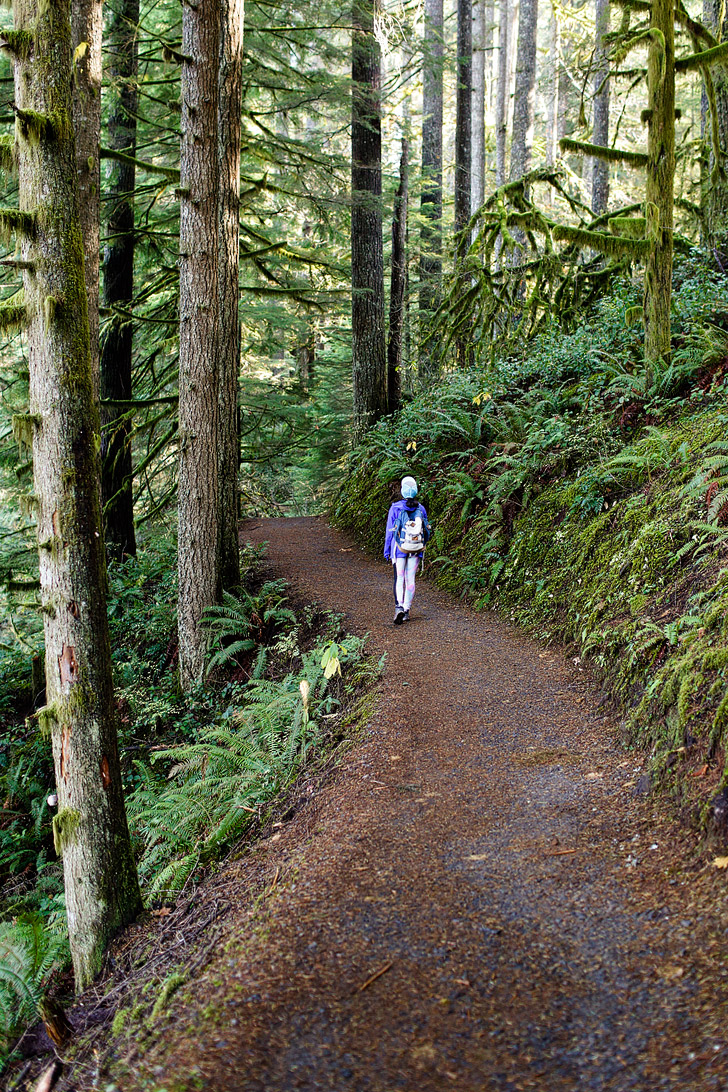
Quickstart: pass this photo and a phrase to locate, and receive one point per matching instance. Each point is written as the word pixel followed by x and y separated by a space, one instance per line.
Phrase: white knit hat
pixel 409 488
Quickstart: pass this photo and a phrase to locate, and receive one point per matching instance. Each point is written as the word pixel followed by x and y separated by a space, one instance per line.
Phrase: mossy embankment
pixel 589 512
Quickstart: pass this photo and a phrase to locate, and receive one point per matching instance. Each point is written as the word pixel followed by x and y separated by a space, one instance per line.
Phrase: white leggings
pixel 404 588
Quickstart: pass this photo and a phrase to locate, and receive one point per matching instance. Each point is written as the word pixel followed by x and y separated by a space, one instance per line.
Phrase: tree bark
pixel 715 176
pixel 524 94
pixel 90 828
pixel 369 360
pixel 118 279
pixel 229 113
pixel 398 283
pixel 477 189
pixel 463 147
pixel 600 167
pixel 198 505
pixel 431 200
pixel 660 183
pixel 86 30
pixel 552 107
pixel 501 107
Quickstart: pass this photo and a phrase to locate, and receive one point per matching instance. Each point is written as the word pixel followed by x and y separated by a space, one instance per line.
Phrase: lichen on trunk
pixel 660 179
pixel 102 891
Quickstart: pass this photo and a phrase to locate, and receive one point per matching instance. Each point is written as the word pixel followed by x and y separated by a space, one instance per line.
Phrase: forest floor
pixel 482 896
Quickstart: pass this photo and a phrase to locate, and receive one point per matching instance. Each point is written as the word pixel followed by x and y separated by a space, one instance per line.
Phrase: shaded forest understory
pixel 475 889
pixel 263 263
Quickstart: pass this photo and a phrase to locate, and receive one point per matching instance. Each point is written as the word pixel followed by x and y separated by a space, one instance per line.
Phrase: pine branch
pixel 614 246
pixel 630 227
pixel 612 155
pixel 172 173
pixel 697 60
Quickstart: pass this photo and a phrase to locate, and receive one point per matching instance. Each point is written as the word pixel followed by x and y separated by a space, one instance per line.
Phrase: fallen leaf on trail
pixel 560 853
pixel 720 862
pixel 593 776
pixel 462 981
pixel 478 857
pixel 395 758
pixel 346 549
pixel 670 972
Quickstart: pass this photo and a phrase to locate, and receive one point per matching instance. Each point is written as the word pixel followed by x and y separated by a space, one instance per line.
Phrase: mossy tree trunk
pixel 398 284
pixel 716 178
pixel 118 279
pixel 660 181
pixel 463 161
pixel 463 120
pixel 600 133
pixel 86 30
pixel 102 892
pixel 369 360
pixel 229 112
pixel 431 199
pixel 199 489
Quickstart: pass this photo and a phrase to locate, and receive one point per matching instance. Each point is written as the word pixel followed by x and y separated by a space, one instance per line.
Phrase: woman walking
pixel 404 545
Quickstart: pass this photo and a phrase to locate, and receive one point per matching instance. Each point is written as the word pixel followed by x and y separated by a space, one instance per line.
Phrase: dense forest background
pixel 482 243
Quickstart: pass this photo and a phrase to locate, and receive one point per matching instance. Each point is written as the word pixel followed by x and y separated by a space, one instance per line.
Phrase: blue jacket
pixel 389 543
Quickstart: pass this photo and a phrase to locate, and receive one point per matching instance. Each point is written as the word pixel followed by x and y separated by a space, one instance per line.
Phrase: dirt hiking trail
pixel 477 899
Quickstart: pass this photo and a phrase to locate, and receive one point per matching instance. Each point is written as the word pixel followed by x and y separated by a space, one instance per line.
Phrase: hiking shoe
pixel 405 616
pixel 399 616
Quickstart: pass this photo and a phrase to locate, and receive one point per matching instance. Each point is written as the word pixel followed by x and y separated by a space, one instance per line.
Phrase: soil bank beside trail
pixel 477 899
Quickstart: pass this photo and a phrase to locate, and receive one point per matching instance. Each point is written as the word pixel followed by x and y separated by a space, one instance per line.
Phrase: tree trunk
pixel 477 188
pixel 489 52
pixel 552 107
pixel 90 829
pixel 369 359
pixel 600 167
pixel 198 506
pixel 431 200
pixel 716 177
pixel 501 106
pixel 660 182
pixel 118 280
pixel 86 30
pixel 229 113
pixel 398 281
pixel 463 146
pixel 523 99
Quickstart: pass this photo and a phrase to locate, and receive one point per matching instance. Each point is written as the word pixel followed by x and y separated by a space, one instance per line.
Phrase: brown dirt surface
pixel 478 898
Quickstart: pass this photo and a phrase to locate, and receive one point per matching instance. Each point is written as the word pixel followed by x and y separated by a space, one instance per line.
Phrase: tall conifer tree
pixel 431 199
pixel 199 411
pixel 118 276
pixel 229 112
pixel 90 828
pixel 367 252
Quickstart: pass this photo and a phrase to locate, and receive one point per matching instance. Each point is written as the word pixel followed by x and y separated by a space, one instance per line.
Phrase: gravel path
pixel 478 899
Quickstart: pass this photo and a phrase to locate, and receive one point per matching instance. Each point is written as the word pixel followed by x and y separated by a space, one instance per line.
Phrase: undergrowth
pixel 198 770
pixel 586 498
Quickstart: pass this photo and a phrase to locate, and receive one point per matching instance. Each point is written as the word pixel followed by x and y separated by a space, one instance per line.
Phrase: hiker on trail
pixel 404 545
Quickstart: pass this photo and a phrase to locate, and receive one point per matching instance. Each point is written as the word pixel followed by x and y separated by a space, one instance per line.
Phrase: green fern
pixel 29 951
pixel 710 482
pixel 241 623
pixel 210 790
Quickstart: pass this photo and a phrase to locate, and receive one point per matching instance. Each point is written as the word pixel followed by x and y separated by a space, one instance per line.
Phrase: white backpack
pixel 409 533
